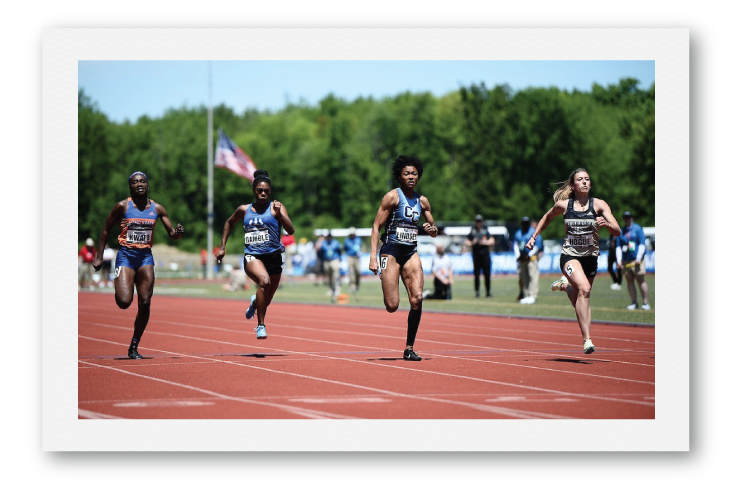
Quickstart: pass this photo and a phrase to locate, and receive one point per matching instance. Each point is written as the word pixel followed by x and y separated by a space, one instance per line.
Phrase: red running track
pixel 202 360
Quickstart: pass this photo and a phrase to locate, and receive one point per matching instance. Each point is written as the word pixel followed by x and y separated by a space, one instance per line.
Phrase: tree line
pixel 492 151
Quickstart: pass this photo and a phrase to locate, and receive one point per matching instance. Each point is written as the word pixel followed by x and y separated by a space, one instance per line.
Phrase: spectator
pixel 612 267
pixel 290 247
pixel 204 262
pixel 630 253
pixel 85 258
pixel 108 255
pixel 237 280
pixel 480 240
pixel 442 271
pixel 353 249
pixel 528 264
pixel 331 263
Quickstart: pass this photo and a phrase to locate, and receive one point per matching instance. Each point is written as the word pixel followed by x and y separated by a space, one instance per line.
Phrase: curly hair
pixel 261 175
pixel 406 161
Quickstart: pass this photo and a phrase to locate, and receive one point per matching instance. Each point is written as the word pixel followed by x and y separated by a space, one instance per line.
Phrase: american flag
pixel 231 157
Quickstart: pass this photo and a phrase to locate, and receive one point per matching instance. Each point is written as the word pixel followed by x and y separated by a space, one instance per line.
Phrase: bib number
pixel 138 236
pixel 406 234
pixel 383 263
pixel 255 237
pixel 580 241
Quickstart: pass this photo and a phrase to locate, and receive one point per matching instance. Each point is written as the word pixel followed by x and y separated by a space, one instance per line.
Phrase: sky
pixel 126 90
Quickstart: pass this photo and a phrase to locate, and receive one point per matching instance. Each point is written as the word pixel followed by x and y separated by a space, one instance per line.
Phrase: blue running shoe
pixel 251 310
pixel 260 332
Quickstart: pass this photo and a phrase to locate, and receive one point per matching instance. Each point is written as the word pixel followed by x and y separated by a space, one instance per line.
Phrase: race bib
pixel 255 237
pixel 580 241
pixel 139 236
pixel 406 234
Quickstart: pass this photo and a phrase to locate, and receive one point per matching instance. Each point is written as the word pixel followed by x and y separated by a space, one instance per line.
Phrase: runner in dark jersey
pixel 262 222
pixel 134 264
pixel 399 213
pixel 584 216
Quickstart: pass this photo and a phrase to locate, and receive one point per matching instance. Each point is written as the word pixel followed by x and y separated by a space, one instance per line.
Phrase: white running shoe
pixel 646 307
pixel 588 347
pixel 528 300
pixel 633 306
pixel 615 286
pixel 560 285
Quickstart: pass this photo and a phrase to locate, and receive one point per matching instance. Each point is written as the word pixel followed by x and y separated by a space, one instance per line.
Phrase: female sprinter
pixel 262 222
pixel 583 216
pixel 399 212
pixel 134 264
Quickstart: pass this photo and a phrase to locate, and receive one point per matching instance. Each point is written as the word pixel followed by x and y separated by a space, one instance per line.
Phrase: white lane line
pixel 94 414
pixel 423 328
pixel 491 409
pixel 303 412
pixel 556 370
pixel 507 384
pixel 422 340
pixel 527 396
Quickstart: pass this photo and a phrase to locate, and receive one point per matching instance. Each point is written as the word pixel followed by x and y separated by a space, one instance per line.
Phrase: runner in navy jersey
pixel 399 213
pixel 134 264
pixel 263 248
pixel 584 216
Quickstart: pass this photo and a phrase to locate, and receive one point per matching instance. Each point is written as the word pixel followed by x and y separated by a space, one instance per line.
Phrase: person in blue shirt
pixel 528 265
pixel 331 253
pixel 262 223
pixel 399 214
pixel 353 249
pixel 631 248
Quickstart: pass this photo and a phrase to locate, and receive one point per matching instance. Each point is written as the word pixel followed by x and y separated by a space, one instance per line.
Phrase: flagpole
pixel 210 238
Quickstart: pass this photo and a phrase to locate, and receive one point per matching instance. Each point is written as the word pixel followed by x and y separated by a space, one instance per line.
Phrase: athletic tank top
pixel 137 226
pixel 581 231
pixel 401 225
pixel 262 232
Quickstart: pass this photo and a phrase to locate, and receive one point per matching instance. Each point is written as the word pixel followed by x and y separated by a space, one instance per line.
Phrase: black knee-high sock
pixel 415 315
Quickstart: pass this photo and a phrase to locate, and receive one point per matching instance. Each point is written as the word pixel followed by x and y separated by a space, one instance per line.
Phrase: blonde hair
pixel 565 191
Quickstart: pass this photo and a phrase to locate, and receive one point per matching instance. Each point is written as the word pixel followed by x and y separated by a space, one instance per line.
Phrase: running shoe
pixel 632 307
pixel 646 307
pixel 560 285
pixel 260 332
pixel 133 353
pixel 588 347
pixel 251 310
pixel 615 286
pixel 410 355
pixel 528 300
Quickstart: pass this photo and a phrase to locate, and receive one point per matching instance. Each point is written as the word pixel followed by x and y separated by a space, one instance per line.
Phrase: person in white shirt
pixel 442 271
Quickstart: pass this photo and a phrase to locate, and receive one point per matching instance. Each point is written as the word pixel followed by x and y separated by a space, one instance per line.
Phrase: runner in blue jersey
pixel 263 248
pixel 134 265
pixel 583 216
pixel 399 213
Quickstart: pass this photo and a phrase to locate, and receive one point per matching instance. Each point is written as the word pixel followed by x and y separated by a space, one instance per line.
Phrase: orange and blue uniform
pixel 136 236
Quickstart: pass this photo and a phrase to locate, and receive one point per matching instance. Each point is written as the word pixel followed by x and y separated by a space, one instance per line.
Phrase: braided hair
pixel 404 161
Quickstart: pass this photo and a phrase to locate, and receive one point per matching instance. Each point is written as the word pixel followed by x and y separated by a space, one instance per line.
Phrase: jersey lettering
pixel 411 214
pixel 138 236
pixel 580 241
pixel 255 237
pixel 406 234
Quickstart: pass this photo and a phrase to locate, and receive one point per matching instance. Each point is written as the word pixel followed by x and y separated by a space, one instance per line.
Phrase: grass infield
pixel 606 304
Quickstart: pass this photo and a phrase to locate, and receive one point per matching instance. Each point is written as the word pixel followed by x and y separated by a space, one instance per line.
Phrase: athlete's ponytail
pixel 565 191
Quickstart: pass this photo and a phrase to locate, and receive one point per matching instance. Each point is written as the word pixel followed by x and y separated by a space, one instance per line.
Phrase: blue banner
pixel 502 263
